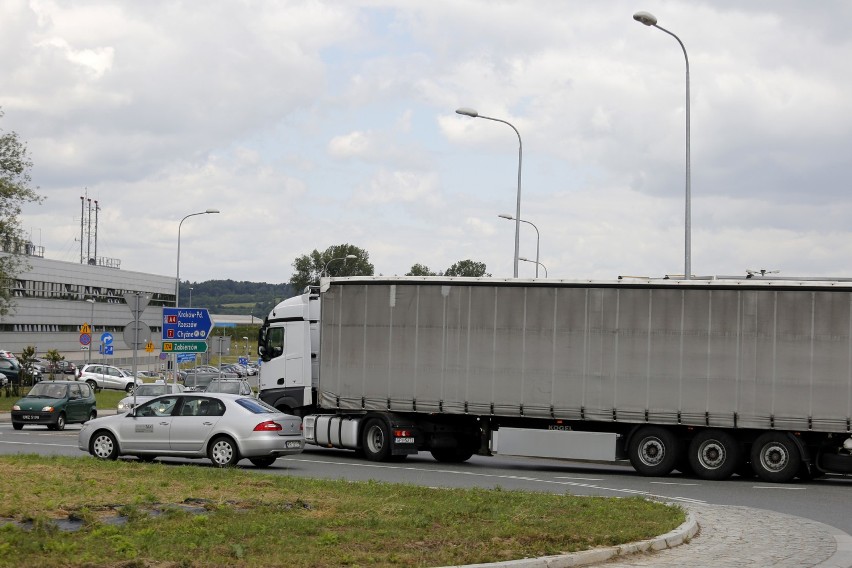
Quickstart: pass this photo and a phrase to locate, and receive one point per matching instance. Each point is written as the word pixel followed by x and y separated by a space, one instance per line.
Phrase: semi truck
pixel 712 377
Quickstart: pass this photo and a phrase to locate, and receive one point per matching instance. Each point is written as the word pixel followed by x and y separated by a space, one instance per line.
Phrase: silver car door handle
pixel 164 423
pixel 207 423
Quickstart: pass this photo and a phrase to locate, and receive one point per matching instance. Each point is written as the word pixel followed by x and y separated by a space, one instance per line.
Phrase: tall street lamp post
pixel 343 258
pixel 537 264
pixel 537 237
pixel 650 20
pixel 190 296
pixel 177 279
pixel 474 114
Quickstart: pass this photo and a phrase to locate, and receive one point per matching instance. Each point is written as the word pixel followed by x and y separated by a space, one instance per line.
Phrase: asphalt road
pixel 825 500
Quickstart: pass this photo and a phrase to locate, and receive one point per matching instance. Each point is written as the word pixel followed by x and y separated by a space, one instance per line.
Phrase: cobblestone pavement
pixel 742 536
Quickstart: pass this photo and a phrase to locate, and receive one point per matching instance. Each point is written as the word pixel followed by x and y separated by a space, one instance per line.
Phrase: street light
pixel 92 323
pixel 650 20
pixel 537 264
pixel 343 258
pixel 537 236
pixel 177 282
pixel 474 114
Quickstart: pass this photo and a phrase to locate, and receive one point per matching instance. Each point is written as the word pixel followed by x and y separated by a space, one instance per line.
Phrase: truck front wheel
pixel 714 454
pixel 775 457
pixel 375 440
pixel 653 451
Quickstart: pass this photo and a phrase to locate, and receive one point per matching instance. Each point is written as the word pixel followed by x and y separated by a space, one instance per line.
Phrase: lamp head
pixel 506 216
pixel 212 211
pixel 467 112
pixel 351 256
pixel 646 18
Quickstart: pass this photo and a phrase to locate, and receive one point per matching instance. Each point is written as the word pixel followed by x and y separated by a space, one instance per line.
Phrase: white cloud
pixel 311 123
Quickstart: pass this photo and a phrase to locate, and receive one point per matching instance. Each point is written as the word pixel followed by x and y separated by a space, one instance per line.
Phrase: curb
pixel 678 536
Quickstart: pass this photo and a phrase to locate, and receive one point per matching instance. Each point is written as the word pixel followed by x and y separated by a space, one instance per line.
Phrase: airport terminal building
pixel 53 300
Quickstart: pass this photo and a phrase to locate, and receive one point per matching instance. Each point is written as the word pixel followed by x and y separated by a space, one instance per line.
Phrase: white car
pixel 146 392
pixel 222 427
pixel 108 377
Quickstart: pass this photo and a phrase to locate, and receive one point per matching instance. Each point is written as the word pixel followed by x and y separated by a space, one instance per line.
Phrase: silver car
pixel 146 392
pixel 233 386
pixel 222 427
pixel 108 377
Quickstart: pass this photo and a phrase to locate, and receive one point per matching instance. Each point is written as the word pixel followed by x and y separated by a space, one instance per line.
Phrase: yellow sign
pixel 149 347
pixel 85 328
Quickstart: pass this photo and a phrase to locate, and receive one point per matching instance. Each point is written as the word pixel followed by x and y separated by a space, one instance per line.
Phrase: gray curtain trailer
pixel 712 377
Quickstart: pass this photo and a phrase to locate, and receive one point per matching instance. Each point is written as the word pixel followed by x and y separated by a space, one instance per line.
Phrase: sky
pixel 309 124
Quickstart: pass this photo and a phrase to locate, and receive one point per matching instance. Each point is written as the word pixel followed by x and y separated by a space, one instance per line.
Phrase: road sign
pixel 186 324
pixel 85 328
pixel 243 361
pixel 185 357
pixel 184 346
pixel 136 334
pixel 85 339
pixel 149 347
pixel 107 338
pixel 137 302
pixel 106 350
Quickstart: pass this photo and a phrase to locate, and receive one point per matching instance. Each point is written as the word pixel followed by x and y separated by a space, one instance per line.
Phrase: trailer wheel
pixel 775 457
pixel 714 454
pixel 375 440
pixel 653 451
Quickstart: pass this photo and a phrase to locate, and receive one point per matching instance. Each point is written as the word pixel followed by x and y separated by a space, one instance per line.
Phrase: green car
pixel 55 404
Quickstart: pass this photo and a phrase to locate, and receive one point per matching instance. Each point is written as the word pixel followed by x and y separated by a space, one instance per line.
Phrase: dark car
pixel 63 367
pixel 55 404
pixel 10 371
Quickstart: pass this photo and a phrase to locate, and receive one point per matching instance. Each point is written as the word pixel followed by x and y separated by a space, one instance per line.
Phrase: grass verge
pixel 255 519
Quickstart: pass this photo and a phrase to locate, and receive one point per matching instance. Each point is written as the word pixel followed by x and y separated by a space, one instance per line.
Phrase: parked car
pixel 108 377
pixel 149 375
pixel 63 368
pixel 233 386
pixel 146 392
pixel 198 380
pixel 10 371
pixel 55 404
pixel 232 368
pixel 222 427
pixel 7 354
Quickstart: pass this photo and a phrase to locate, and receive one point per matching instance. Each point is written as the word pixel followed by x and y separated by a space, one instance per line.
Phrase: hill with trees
pixel 232 297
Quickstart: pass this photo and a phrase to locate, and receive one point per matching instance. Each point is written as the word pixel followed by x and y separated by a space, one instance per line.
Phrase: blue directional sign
pixel 185 357
pixel 186 324
pixel 105 349
pixel 243 361
pixel 106 338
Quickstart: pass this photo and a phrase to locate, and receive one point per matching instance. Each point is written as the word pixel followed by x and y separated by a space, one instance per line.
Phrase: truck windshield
pixel 271 343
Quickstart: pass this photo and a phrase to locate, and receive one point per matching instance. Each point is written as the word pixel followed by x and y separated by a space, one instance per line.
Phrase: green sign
pixel 184 347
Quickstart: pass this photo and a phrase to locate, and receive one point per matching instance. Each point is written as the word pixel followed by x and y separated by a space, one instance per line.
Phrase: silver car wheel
pixel 103 446
pixel 223 452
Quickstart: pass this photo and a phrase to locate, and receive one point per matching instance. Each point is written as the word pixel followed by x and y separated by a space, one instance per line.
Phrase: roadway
pixel 824 500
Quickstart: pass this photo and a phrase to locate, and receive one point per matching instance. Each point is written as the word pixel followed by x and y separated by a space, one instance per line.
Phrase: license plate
pixel 294 444
pixel 30 416
pixel 405 440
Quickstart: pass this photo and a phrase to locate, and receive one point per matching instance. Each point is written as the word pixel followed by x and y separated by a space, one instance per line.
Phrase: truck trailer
pixel 711 377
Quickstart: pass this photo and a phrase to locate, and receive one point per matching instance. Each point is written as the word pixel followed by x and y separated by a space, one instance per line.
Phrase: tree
pixel 420 270
pixel 467 268
pixel 15 190
pixel 332 261
pixel 53 357
pixel 26 360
